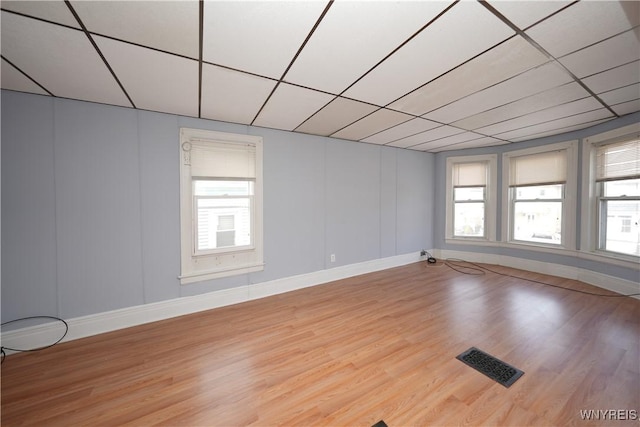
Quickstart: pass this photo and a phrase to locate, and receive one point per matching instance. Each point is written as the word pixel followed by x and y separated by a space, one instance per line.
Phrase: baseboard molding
pixel 85 326
pixel 604 281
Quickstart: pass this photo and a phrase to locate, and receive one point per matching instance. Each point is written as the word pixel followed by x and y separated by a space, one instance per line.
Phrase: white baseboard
pixel 614 284
pixel 80 327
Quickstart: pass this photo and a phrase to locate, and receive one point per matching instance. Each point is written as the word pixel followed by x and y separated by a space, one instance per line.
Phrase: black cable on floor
pixel 478 270
pixel 19 350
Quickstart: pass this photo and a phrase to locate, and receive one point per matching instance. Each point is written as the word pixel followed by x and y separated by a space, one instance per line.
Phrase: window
pixel 540 192
pixel 470 204
pixel 220 204
pixel 618 196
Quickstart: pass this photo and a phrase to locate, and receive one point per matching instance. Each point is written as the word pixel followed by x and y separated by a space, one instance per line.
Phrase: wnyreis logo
pixel 609 414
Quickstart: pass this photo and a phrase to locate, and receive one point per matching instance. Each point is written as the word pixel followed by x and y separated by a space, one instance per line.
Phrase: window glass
pixel 538 222
pixel 469 219
pixel 627 187
pixel 468 193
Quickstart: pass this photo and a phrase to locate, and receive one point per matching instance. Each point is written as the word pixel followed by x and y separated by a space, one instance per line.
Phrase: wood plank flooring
pixel 381 346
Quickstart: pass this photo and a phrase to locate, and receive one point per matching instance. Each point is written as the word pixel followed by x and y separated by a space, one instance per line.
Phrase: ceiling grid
pixel 426 76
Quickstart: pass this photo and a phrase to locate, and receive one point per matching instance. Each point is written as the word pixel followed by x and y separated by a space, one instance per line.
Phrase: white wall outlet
pixel 333 257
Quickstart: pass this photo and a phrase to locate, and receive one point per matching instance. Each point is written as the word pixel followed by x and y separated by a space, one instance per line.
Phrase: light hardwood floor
pixel 381 346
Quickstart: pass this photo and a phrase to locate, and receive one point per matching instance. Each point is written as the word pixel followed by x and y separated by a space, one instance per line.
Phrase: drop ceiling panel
pixel 60 59
pixel 371 124
pixel 424 137
pixel 620 95
pixel 258 37
pixel 481 142
pixel 528 12
pixel 355 36
pixel 561 130
pixel 555 96
pixel 627 107
pixel 449 41
pixel 289 106
pixel 450 140
pixel 155 81
pixel 610 53
pixel 172 26
pixel 614 78
pixel 506 60
pixel 580 119
pixel 403 130
pixel 521 86
pixel 333 117
pixel 13 79
pixel 232 96
pixel 549 114
pixel 585 23
pixel 50 10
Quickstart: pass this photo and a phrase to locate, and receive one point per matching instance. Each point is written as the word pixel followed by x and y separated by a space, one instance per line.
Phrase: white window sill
pixel 470 241
pixel 201 276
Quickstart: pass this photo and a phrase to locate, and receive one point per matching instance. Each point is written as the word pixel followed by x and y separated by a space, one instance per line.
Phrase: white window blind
pixel 223 160
pixel 618 161
pixel 470 174
pixel 538 169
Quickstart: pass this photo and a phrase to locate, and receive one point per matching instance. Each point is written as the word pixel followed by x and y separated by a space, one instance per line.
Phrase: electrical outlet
pixel 333 257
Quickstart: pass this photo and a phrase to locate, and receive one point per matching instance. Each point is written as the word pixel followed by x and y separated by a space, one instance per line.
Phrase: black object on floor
pixel 380 423
pixel 496 369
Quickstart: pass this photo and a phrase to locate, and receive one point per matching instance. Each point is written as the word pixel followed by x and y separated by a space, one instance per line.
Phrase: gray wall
pixel 440 197
pixel 90 205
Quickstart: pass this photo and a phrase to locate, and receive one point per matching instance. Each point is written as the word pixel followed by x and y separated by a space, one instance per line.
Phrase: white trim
pixel 604 281
pixel 196 268
pixel 85 326
pixel 588 209
pixel 570 197
pixel 490 202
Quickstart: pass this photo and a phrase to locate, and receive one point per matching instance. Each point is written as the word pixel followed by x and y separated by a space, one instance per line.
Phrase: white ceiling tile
pixel 172 26
pixel 510 58
pixel 232 96
pixel 523 85
pixel 371 124
pixel 627 107
pixel 555 96
pixel 403 130
pixel 561 130
pixel 289 106
pixel 614 78
pixel 450 140
pixel 610 53
pixel 357 35
pixel 620 95
pixel 13 79
pixel 527 12
pixel 449 41
pixel 480 142
pixel 530 131
pixel 60 59
pixel 585 23
pixel 424 137
pixel 51 10
pixel 259 37
pixel 549 114
pixel 338 114
pixel 155 81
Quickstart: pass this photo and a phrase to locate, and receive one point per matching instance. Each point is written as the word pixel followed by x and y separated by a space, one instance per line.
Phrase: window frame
pixel 490 199
pixel 568 226
pixel 592 195
pixel 197 266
